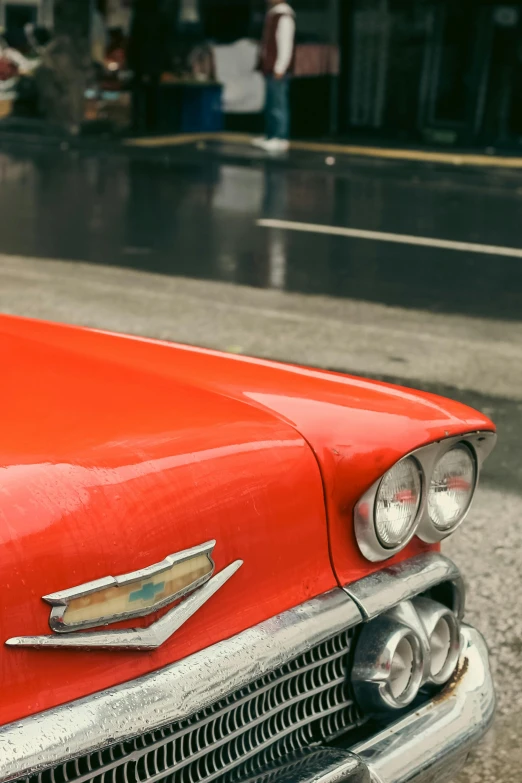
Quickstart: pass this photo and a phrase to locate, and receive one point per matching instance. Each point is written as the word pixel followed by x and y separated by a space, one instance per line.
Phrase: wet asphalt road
pixel 189 212
pixel 443 320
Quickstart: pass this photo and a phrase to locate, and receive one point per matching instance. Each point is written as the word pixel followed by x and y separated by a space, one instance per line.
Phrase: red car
pixel 219 568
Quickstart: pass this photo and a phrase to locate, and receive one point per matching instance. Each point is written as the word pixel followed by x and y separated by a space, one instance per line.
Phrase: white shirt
pixel 284 37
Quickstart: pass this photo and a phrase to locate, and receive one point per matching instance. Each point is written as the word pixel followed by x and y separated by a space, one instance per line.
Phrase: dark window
pixel 17 16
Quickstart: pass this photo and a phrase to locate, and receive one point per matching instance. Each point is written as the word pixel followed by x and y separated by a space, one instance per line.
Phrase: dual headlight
pixel 427 494
pixel 449 495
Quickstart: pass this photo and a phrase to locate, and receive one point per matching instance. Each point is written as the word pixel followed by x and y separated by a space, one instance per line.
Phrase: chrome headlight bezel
pixel 479 443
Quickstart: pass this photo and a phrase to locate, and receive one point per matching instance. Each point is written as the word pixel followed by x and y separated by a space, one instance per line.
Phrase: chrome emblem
pixel 185 575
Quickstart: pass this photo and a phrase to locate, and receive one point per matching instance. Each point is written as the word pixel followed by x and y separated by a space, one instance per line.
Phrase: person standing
pixel 277 55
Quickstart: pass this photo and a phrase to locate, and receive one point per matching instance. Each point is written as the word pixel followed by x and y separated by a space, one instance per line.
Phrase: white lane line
pixel 402 239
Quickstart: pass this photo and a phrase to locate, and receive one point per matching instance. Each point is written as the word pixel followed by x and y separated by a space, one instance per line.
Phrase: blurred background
pixel 385 240
pixel 434 71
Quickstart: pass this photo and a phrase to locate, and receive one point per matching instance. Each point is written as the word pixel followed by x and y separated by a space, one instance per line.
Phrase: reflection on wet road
pixel 196 216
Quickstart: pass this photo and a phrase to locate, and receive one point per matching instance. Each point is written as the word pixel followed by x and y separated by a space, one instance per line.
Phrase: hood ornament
pixel 185 575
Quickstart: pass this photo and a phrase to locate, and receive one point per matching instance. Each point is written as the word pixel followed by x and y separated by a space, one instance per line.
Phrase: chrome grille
pixel 305 701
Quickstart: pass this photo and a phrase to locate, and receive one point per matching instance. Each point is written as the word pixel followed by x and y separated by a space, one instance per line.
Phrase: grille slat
pixel 306 701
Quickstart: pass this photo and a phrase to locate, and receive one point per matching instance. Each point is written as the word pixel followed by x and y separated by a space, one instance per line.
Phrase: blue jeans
pixel 277 109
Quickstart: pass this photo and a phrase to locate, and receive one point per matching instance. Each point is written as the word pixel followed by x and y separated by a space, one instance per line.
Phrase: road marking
pixel 165 141
pixel 401 239
pixel 180 139
pixel 387 153
pixel 425 156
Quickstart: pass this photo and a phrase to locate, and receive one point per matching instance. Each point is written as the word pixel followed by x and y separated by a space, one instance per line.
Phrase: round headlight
pixel 451 488
pixel 397 503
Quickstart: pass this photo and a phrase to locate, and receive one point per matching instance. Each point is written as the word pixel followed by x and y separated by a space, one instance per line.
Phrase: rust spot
pixel 459 673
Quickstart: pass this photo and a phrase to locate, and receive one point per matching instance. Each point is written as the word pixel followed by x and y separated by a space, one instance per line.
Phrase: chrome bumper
pixel 428 745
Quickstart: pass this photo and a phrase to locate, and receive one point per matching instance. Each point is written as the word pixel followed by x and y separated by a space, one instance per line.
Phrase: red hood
pixel 118 451
pixel 357 428
pixel 109 463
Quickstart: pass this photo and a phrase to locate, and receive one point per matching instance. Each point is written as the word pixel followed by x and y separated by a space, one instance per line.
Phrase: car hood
pixel 356 428
pixel 109 462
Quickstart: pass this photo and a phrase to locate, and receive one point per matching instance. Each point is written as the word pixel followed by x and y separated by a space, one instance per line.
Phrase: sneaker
pixel 283 145
pixel 275 145
pixel 259 141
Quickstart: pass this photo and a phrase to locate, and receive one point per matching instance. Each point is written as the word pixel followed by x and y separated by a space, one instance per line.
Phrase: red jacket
pixel 269 46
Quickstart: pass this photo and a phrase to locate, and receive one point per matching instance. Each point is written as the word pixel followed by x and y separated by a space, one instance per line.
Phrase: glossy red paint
pixel 117 451
pixel 108 464
pixel 357 428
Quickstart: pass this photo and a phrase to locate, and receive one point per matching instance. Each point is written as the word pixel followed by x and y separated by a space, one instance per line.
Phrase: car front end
pixel 230 570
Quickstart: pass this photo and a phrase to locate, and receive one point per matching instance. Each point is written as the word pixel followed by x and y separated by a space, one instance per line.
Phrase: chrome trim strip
pixel 384 589
pixel 431 742
pixel 134 638
pixel 173 693
pixel 60 600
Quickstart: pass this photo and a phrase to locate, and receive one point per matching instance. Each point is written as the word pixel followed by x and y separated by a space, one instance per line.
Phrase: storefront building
pixel 447 72
pixel 443 71
pixel 412 71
